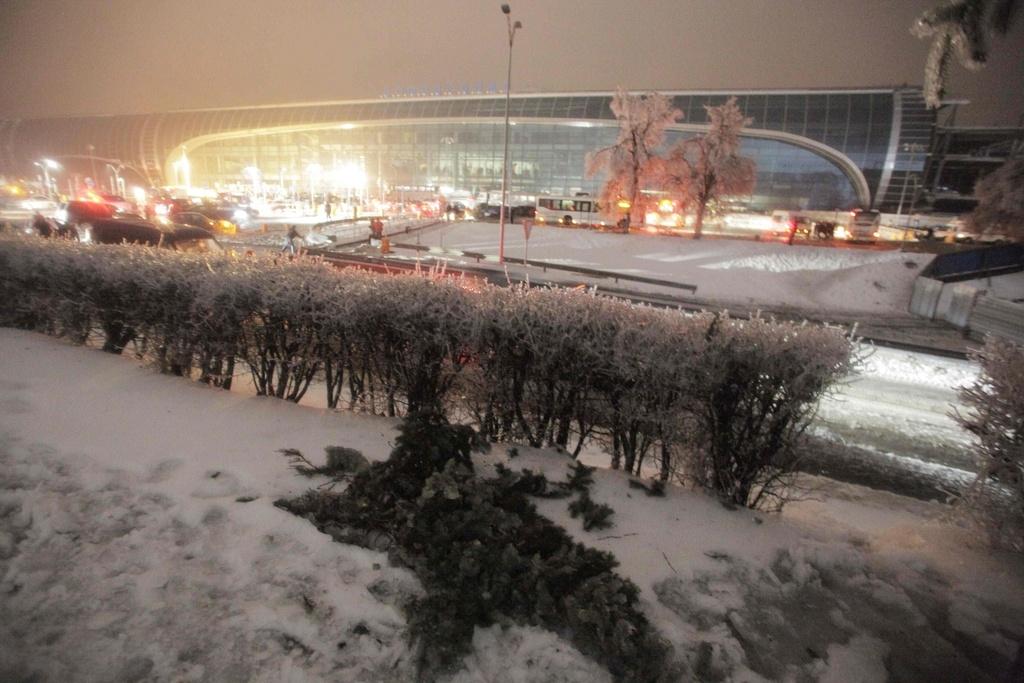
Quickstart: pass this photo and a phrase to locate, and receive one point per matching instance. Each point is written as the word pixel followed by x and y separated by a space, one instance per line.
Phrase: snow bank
pixel 139 541
pixel 949 374
pixel 808 259
pixel 736 272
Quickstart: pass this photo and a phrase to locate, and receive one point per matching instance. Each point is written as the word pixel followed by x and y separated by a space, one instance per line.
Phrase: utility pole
pixel 512 28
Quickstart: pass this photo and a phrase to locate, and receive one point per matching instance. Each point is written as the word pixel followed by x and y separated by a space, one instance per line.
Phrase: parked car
pixel 76 213
pixel 120 204
pixel 39 203
pixel 178 237
pixel 486 212
pixel 524 211
pixel 207 220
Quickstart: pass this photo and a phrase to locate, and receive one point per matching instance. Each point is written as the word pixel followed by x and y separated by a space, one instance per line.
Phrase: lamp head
pixel 505 9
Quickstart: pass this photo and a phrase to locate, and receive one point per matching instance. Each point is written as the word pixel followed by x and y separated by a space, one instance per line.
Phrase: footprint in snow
pixel 162 470
pixel 218 484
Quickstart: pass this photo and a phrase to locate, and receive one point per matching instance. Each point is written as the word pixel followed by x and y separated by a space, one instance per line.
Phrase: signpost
pixel 527 226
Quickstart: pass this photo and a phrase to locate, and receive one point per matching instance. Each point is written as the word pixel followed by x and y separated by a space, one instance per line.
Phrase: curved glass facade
pixel 466 157
pixel 814 149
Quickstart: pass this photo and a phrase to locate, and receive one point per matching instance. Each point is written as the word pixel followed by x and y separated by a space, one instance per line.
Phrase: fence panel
pixel 998 317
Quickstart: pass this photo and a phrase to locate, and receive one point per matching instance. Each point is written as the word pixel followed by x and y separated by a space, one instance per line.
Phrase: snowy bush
pixel 755 390
pixel 281 335
pixel 645 405
pixel 409 336
pixel 37 292
pixel 995 415
pixel 539 356
pixel 485 556
pixel 723 401
pixel 595 515
pixel 225 299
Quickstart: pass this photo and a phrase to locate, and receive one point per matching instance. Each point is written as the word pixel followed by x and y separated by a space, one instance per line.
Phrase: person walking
pixel 289 240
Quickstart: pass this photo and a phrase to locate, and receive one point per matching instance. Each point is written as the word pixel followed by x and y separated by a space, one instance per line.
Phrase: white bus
pixel 582 210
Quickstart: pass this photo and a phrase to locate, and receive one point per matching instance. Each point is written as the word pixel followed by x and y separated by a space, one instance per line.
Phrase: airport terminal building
pixel 815 149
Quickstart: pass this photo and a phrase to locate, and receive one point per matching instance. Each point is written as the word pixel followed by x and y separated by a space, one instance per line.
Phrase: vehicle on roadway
pixel 493 212
pixel 560 210
pixel 185 238
pixel 39 203
pixel 120 204
pixel 76 213
pixel 207 220
pixel 865 226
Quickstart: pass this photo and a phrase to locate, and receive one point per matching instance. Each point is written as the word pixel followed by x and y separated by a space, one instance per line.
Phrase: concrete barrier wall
pixel 998 317
pixel 925 299
pixel 960 304
pixel 968 308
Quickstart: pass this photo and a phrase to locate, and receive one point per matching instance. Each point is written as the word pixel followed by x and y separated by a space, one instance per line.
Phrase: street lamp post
pixel 118 188
pixel 512 28
pixel 92 157
pixel 46 165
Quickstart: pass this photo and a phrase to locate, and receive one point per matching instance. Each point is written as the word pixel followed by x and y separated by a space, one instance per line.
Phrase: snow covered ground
pixel 138 541
pixel 820 280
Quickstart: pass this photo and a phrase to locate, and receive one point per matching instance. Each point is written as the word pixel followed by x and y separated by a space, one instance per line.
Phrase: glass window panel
pixel 595 107
pixel 817 102
pixel 861 104
pixel 838 103
pixel 773 117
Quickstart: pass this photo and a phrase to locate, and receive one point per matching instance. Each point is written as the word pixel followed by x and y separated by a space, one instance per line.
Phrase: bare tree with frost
pixel 995 415
pixel 708 167
pixel 628 162
pixel 1000 209
pixel 960 29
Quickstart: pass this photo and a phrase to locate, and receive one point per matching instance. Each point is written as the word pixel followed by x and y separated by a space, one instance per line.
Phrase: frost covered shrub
pixel 163 319
pixel 754 393
pixel 225 298
pixel 281 334
pixel 545 367
pixel 35 288
pixel 995 415
pixel 485 555
pixel 646 396
pixel 539 354
pixel 411 333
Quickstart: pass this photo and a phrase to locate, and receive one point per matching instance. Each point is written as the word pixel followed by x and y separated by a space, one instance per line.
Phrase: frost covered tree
pixel 995 414
pixel 1000 209
pixel 627 162
pixel 708 167
pixel 960 29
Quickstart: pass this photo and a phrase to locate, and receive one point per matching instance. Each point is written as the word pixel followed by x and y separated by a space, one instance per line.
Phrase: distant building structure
pixel 962 155
pixel 815 149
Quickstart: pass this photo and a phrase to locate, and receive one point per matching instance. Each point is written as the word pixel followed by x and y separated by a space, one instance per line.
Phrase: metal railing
pixel 545 266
